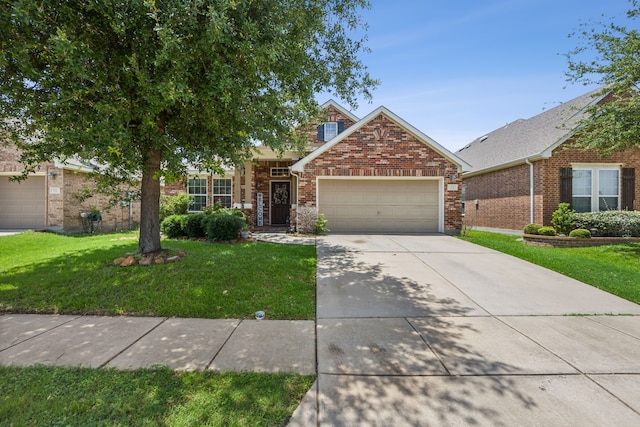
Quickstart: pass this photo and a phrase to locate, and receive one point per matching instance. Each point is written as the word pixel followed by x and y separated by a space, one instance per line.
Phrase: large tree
pixel 143 87
pixel 609 54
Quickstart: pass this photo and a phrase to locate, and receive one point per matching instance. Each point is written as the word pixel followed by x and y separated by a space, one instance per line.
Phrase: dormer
pixel 338 119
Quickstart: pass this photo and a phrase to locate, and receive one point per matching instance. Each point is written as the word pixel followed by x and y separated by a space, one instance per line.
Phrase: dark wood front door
pixel 280 202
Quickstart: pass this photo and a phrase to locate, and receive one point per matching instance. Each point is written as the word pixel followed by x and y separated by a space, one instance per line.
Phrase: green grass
pixel 49 273
pixel 148 397
pixel 612 268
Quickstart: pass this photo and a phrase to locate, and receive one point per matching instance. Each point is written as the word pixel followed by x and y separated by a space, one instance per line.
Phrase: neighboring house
pixel 522 171
pixel 55 197
pixel 377 174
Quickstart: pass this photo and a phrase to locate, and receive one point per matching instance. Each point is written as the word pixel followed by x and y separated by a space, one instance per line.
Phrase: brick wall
pixel 332 115
pixel 381 148
pixel 503 196
pixel 503 199
pixel 565 155
pixel 65 209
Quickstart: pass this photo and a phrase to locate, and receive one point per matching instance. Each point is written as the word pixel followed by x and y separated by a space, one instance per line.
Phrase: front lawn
pixel 613 268
pixel 147 397
pixel 49 273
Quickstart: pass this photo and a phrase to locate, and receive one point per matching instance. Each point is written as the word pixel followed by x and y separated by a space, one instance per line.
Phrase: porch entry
pixel 280 202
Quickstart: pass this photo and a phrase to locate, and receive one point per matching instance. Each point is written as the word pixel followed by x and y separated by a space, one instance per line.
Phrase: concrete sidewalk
pixel 435 331
pixel 137 342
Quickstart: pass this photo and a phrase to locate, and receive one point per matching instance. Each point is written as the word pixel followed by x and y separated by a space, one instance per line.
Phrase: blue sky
pixel 457 69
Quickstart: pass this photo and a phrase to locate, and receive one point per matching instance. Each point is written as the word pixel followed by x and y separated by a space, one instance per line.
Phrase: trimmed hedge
pixel 610 223
pixel 173 226
pixel 224 226
pixel 547 231
pixel 580 233
pixel 532 228
pixel 194 225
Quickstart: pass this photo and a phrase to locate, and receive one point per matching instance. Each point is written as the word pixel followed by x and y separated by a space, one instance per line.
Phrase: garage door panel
pixel 22 204
pixel 383 206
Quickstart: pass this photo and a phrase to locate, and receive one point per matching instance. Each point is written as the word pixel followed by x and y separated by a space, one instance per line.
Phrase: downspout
pixel 531 192
pixel 297 194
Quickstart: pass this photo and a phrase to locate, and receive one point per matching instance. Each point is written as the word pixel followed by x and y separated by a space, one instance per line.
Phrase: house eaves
pixel 341 109
pixel 299 166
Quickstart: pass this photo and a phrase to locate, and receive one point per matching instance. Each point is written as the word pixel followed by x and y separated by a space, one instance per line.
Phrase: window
pixel 329 130
pixel 280 172
pixel 222 191
pixel 197 189
pixel 595 189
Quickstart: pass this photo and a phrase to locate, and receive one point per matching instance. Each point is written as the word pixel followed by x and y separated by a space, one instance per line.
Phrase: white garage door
pixel 22 205
pixel 380 206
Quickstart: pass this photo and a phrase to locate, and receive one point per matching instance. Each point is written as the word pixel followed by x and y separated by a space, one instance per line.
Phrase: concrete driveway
pixel 432 330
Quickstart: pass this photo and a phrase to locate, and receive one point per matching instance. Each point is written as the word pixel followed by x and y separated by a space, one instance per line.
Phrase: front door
pixel 280 202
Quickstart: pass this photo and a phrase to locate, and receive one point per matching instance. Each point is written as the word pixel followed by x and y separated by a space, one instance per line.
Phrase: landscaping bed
pixel 574 242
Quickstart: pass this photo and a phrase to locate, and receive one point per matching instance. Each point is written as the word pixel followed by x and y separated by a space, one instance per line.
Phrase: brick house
pixel 375 174
pixel 522 171
pixel 55 198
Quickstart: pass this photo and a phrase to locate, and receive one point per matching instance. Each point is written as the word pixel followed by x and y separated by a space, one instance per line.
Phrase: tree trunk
pixel 150 204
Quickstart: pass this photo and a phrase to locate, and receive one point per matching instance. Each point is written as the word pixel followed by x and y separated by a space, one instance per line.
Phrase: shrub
pixel 224 225
pixel 306 219
pixel 611 223
pixel 532 228
pixel 173 226
pixel 174 205
pixel 321 225
pixel 194 225
pixel 580 233
pixel 563 218
pixel 547 231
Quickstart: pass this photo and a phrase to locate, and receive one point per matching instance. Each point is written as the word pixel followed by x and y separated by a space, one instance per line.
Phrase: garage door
pixel 22 205
pixel 380 206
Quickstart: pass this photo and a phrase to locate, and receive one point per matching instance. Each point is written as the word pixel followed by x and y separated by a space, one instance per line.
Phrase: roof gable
pixel 527 138
pixel 339 108
pixel 299 166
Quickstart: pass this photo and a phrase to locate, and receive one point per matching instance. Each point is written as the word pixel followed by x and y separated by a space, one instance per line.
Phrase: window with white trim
pixel 197 189
pixel 595 188
pixel 330 130
pixel 222 191
pixel 279 172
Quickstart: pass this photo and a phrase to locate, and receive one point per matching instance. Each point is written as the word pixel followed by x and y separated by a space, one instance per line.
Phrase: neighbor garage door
pixel 380 206
pixel 22 205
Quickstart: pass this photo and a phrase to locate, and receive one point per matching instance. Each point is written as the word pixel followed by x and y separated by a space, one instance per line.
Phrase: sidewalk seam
pixel 235 328
pixel 41 333
pixel 133 343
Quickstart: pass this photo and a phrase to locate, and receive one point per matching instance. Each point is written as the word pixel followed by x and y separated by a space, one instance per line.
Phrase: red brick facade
pixel 382 148
pixel 504 196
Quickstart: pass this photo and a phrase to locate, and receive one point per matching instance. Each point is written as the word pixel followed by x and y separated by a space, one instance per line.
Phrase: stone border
pixel 574 242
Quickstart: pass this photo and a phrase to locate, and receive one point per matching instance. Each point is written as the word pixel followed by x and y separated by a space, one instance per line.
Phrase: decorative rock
pixel 147 260
pixel 182 254
pixel 173 258
pixel 118 261
pixel 159 260
pixel 128 261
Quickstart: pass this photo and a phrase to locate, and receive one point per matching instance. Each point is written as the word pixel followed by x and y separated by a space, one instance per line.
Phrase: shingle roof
pixel 526 138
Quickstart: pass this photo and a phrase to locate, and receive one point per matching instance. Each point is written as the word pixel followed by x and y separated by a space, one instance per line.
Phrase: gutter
pixel 531 192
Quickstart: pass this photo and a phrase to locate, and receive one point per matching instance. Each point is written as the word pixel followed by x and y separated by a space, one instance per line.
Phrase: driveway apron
pixel 431 330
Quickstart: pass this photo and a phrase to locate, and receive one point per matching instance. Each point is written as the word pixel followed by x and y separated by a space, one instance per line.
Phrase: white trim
pixel 440 179
pixel 340 108
pixel 299 166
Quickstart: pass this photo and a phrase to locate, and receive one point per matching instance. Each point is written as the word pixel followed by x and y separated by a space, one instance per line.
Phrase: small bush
pixel 306 219
pixel 580 233
pixel 563 218
pixel 611 223
pixel 194 225
pixel 547 231
pixel 532 228
pixel 174 205
pixel 224 225
pixel 173 226
pixel 321 225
